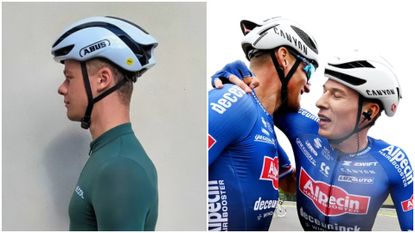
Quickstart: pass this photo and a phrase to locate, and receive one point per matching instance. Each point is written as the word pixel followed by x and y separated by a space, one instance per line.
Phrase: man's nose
pixel 321 102
pixel 307 87
pixel 62 89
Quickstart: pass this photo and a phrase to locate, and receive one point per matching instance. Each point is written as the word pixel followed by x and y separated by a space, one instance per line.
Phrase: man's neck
pixel 105 118
pixel 354 144
pixel 268 91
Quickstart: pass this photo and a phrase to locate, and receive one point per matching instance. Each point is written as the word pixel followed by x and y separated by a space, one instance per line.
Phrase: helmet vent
pixel 63 51
pixel 345 77
pixel 354 64
pixel 307 40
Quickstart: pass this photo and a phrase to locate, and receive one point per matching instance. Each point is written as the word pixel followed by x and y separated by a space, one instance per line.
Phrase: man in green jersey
pixel 117 189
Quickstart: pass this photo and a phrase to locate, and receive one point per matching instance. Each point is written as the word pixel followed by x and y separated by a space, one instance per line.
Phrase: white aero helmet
pixel 275 32
pixel 371 76
pixel 124 43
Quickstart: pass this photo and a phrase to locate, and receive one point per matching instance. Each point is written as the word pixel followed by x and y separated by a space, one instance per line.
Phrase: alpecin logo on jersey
pixel 211 141
pixel 270 171
pixel 400 162
pixel 407 205
pixel 340 202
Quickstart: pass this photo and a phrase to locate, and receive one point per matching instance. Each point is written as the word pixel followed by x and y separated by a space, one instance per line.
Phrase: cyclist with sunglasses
pixel 246 164
pixel 343 175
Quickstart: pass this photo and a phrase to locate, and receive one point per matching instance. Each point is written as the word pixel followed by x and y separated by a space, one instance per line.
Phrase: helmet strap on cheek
pixel 284 79
pixel 356 127
pixel 86 120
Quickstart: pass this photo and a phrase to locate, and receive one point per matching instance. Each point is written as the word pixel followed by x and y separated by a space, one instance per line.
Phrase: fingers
pixel 218 83
pixel 235 80
pixel 252 82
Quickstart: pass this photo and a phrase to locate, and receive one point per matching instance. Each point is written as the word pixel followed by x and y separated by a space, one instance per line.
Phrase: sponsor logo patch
pixel 94 47
pixel 79 191
pixel 400 162
pixel 270 171
pixel 211 141
pixel 407 205
pixel 305 151
pixel 339 203
pixel 356 180
pixel 230 97
pixel 217 205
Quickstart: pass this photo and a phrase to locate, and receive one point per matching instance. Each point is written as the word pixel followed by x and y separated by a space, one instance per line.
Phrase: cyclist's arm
pixel 293 124
pixel 122 197
pixel 285 166
pixel 232 115
pixel 286 175
pixel 236 73
pixel 402 195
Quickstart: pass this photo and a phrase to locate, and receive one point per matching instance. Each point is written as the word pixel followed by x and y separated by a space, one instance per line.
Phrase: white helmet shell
pixel 121 42
pixel 371 76
pixel 276 32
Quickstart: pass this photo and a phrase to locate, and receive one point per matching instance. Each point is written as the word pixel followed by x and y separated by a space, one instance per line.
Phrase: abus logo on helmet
pixel 94 47
pixel 340 202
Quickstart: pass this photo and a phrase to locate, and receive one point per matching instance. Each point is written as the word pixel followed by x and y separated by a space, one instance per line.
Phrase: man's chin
pixel 73 118
pixel 323 133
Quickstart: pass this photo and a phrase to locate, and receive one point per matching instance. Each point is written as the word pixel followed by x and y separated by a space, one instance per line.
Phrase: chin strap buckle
pixel 86 122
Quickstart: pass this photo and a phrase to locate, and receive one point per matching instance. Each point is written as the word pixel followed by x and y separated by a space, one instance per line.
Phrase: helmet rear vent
pixel 307 40
pixel 354 64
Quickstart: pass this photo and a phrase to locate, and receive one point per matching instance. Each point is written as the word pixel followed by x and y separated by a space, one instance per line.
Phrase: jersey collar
pixel 109 136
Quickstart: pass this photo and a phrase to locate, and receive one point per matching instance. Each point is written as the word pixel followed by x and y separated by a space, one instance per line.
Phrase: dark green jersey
pixel 117 189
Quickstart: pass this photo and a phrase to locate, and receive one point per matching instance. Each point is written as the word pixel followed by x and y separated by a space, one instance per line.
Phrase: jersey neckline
pixel 359 153
pixel 109 136
pixel 260 104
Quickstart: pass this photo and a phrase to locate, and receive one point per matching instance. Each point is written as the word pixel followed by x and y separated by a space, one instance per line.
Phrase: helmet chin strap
pixel 86 120
pixel 356 127
pixel 284 79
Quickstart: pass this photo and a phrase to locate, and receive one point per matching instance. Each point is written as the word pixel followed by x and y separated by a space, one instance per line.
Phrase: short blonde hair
pixel 126 90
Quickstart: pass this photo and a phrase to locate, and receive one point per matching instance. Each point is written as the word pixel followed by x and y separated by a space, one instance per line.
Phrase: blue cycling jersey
pixel 244 162
pixel 338 191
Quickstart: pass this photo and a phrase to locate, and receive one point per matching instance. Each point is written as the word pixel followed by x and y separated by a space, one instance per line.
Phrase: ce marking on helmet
pixel 324 169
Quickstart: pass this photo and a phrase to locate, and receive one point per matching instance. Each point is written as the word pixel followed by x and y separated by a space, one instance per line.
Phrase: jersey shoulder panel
pixel 124 186
pixel 296 123
pixel 230 102
pixel 232 115
pixel 395 161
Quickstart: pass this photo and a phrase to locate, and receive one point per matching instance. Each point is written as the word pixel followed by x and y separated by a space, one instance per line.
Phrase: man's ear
pixel 104 79
pixel 282 56
pixel 371 111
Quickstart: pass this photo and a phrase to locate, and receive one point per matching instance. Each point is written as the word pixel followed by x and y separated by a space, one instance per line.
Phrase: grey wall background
pixel 43 152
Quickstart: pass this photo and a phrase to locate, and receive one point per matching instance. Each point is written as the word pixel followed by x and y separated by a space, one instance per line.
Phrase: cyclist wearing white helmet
pixel 343 175
pixel 103 57
pixel 244 157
